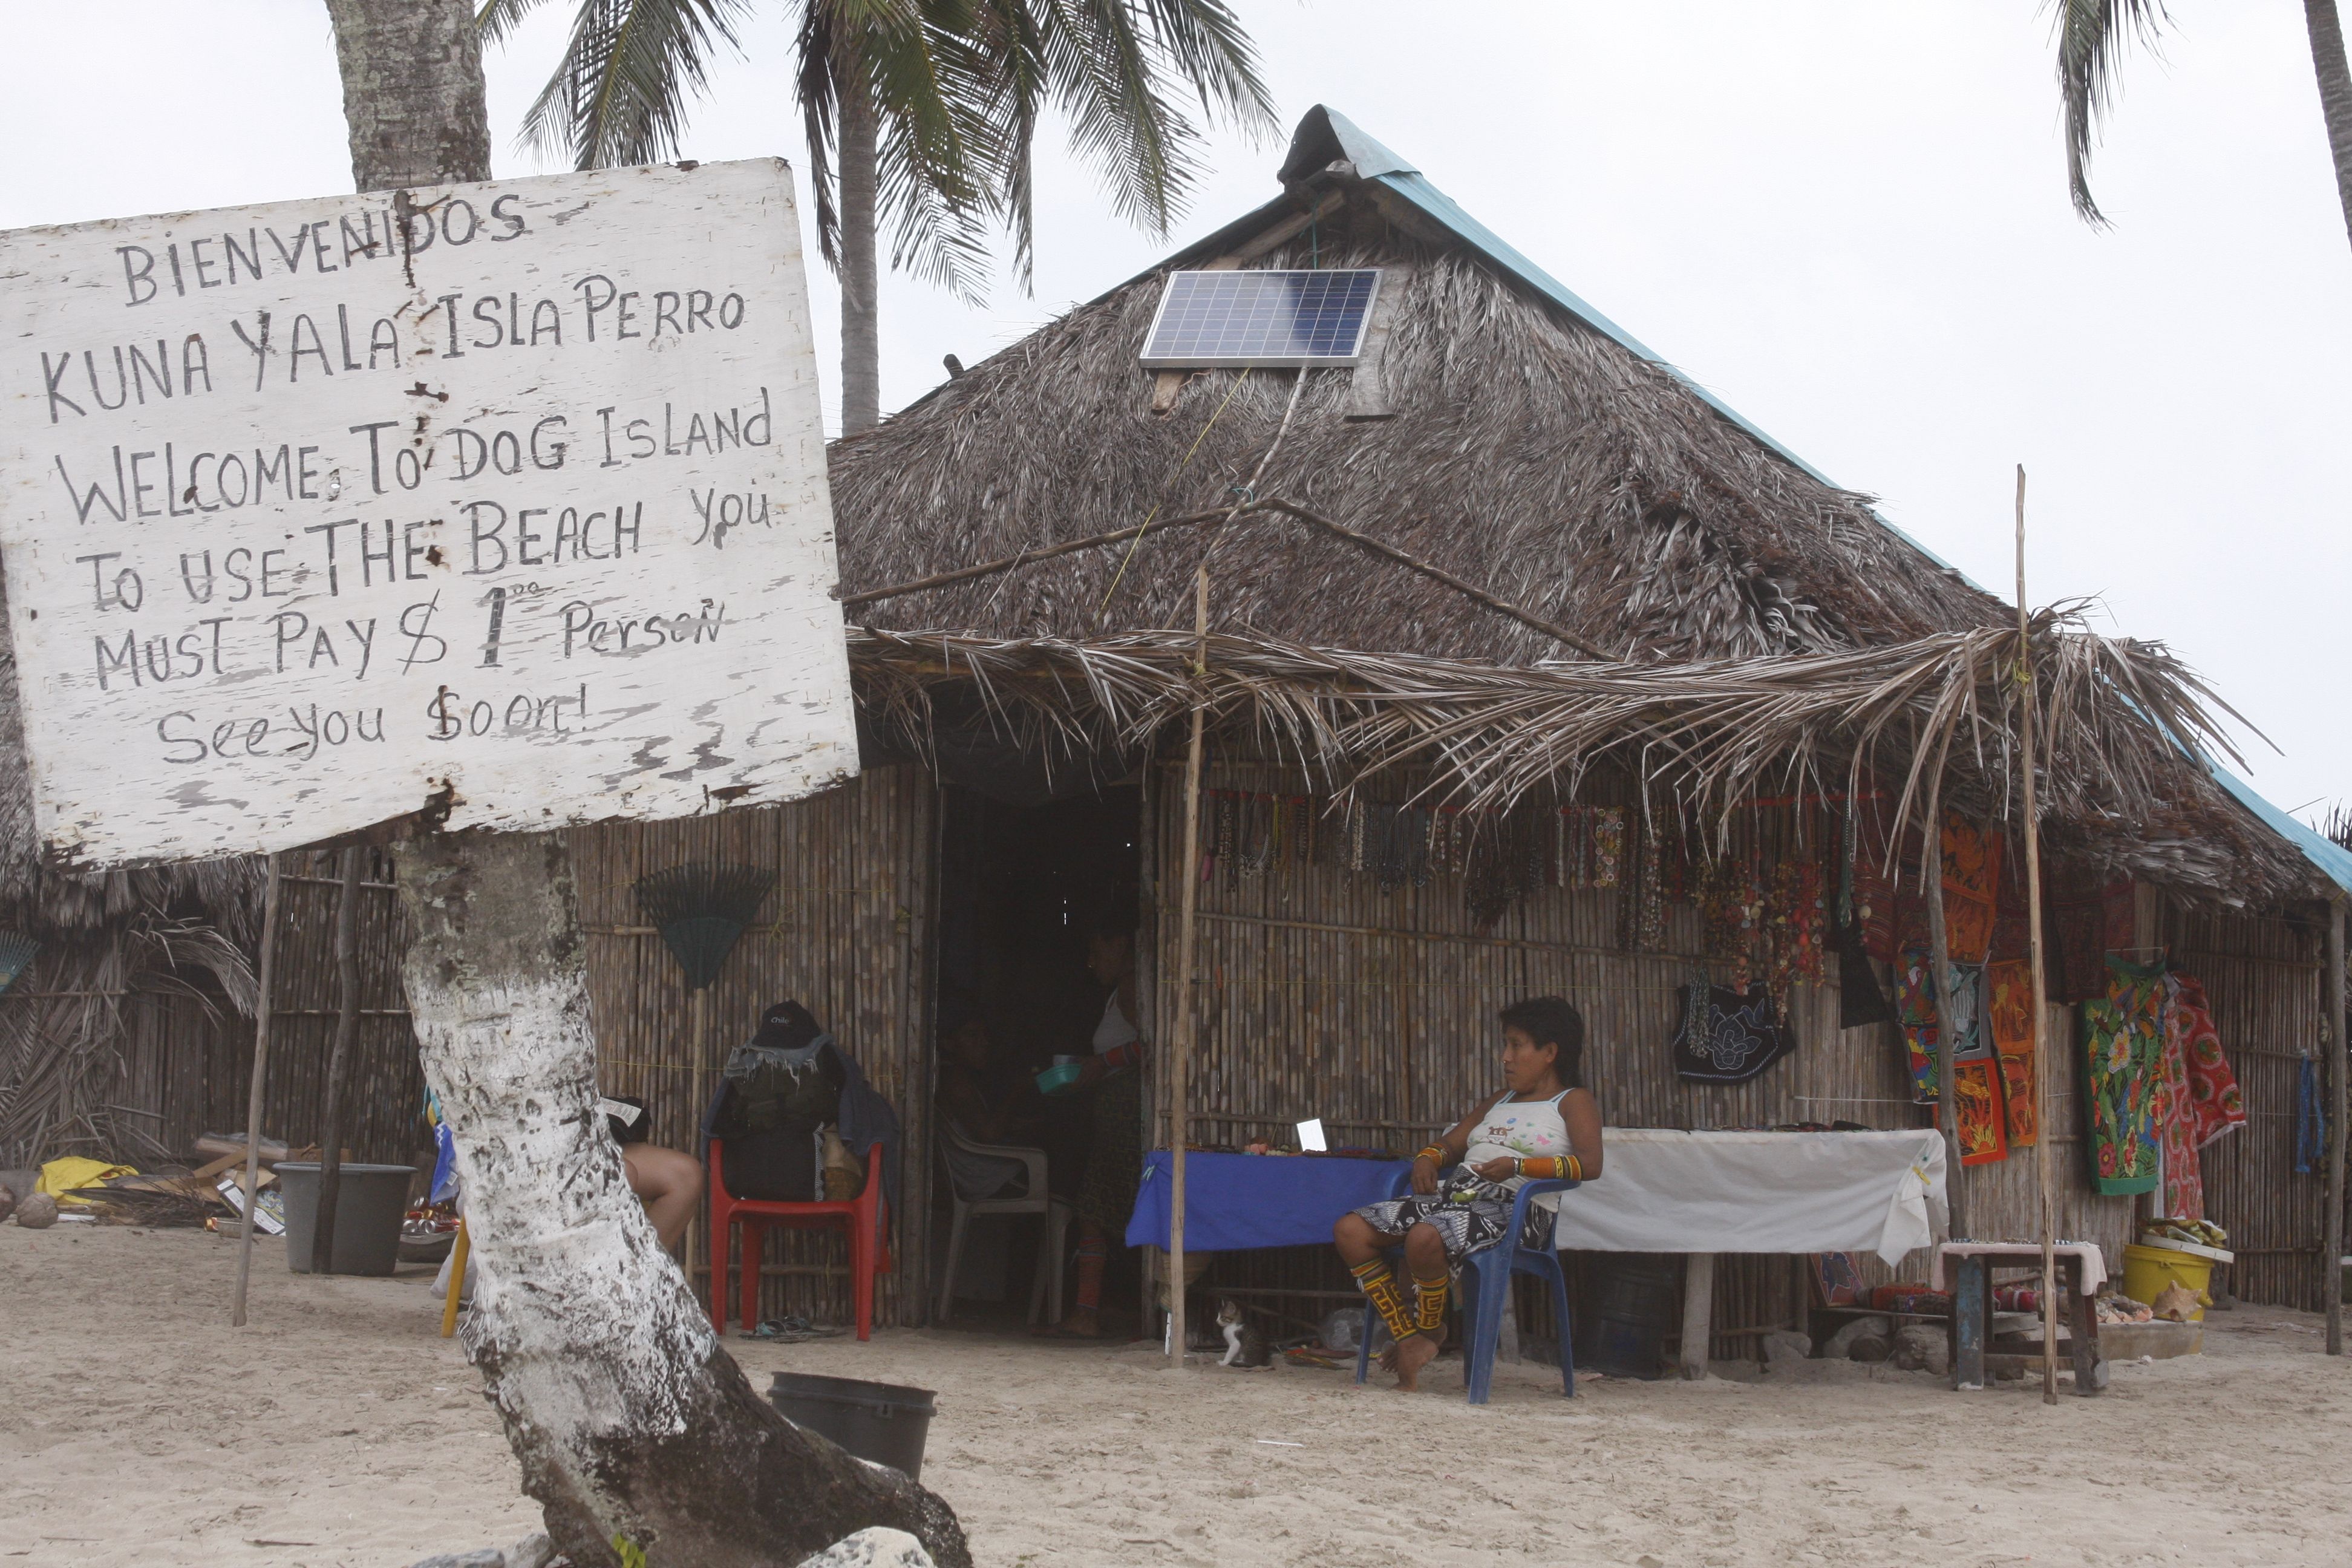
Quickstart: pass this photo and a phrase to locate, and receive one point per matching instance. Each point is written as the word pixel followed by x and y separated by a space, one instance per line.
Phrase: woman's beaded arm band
pixel 1434 1154
pixel 1553 1168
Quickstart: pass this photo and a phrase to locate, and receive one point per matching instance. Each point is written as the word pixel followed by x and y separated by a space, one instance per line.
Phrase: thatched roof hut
pixel 1504 444
pixel 128 962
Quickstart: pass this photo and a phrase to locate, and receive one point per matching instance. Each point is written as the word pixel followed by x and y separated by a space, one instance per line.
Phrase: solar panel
pixel 1262 317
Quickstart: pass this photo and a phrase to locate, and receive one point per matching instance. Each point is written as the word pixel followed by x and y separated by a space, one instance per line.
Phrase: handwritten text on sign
pixel 511 494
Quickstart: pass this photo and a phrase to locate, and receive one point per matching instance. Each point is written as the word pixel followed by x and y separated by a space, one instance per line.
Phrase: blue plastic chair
pixel 1485 1287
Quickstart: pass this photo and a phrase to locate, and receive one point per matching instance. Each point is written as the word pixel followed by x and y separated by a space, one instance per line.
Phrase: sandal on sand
pixel 790 1330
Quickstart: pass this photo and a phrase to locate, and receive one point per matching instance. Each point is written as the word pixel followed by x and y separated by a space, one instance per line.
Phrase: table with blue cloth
pixel 1236 1202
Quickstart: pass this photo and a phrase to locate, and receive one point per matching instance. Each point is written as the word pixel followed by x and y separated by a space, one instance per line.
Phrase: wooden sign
pixel 510 497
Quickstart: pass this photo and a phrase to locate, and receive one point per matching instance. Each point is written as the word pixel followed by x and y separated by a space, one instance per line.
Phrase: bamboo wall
pixel 1323 995
pixel 2262 975
pixel 845 932
pixel 188 1064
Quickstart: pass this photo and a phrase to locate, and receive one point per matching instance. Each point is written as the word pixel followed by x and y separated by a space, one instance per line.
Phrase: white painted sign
pixel 509 495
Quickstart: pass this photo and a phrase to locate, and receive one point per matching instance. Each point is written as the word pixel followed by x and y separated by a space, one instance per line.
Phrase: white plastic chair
pixel 1035 1197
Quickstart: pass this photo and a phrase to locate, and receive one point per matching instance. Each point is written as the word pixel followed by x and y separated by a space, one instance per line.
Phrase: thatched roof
pixel 1727 610
pixel 1528 452
pixel 1695 739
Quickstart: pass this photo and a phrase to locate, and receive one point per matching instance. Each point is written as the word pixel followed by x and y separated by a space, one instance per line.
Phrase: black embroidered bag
pixel 1725 1037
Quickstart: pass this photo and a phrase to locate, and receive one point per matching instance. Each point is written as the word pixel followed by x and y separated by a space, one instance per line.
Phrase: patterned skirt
pixel 1114 1152
pixel 1468 1213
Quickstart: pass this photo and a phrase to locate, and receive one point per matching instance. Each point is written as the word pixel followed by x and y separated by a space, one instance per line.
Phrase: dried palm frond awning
pixel 2120 724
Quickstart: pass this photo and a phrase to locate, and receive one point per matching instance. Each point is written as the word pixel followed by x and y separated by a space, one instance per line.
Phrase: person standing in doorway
pixel 1115 1132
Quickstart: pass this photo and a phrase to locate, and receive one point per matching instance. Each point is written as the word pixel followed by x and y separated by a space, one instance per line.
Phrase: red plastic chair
pixel 865 1216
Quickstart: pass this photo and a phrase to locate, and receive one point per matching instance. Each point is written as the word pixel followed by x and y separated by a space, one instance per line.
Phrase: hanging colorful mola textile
pixel 1978 1128
pixel 1914 1004
pixel 2310 1121
pixel 2011 1013
pixel 1971 887
pixel 2215 1106
pixel 2169 1108
pixel 2123 1040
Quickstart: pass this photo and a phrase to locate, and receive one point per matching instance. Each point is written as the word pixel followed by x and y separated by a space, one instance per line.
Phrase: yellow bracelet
pixel 1434 1154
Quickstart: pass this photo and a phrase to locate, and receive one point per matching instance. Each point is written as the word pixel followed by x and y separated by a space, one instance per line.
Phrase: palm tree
pixel 2092 34
pixel 631 1422
pixel 922 113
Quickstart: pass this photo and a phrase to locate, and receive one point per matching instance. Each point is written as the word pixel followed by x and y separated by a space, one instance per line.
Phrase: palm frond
pixel 2090 36
pixel 2118 770
pixel 628 75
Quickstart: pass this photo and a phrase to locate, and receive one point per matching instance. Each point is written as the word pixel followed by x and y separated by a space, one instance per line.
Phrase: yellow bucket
pixel 2148 1269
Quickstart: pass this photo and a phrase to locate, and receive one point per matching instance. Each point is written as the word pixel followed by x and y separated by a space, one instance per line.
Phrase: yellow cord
pixel 1136 544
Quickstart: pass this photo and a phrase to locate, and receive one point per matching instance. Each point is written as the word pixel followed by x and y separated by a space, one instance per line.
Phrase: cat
pixel 1245 1342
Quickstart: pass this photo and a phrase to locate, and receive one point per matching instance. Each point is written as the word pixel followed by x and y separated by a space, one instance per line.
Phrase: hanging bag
pixel 1725 1037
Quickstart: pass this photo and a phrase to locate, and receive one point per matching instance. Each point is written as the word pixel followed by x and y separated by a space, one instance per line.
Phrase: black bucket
pixel 368 1211
pixel 883 1422
pixel 1636 1300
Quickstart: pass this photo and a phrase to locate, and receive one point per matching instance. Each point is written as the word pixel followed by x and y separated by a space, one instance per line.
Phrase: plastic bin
pixel 2147 1270
pixel 1635 1302
pixel 883 1422
pixel 373 1202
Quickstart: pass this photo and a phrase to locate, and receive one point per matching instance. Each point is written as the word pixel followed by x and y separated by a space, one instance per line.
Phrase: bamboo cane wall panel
pixel 208 1054
pixel 844 932
pixel 1385 1027
pixel 2262 975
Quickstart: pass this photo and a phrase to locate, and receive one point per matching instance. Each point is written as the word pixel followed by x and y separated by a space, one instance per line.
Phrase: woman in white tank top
pixel 1544 1126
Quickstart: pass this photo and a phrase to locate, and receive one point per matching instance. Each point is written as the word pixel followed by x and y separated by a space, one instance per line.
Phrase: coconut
pixel 38 1212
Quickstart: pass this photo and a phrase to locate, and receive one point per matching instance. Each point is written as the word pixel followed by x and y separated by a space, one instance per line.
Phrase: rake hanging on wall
pixel 701 911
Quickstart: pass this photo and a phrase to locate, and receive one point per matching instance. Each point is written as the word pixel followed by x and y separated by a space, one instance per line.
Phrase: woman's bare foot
pixel 1412 1355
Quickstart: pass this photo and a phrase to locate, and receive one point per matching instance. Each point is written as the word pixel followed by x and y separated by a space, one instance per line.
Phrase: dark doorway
pixel 1022 888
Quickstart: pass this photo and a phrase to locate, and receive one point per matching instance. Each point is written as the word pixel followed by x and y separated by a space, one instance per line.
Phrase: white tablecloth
pixel 1665 1191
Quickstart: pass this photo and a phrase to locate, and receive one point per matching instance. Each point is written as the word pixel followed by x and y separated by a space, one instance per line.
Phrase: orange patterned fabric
pixel 1978 1127
pixel 1971 887
pixel 2011 986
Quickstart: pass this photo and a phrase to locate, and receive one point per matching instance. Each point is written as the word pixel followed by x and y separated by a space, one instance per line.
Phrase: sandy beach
pixel 338 1431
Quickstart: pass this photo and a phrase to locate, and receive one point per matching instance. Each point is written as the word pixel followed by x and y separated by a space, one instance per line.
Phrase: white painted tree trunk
pixel 631 1421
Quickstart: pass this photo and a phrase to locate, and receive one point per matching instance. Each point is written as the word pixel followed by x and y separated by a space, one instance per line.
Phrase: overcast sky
pixel 1846 217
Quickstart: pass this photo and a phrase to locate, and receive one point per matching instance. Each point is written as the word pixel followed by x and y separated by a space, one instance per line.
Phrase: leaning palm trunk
pixel 2328 63
pixel 861 340
pixel 635 1429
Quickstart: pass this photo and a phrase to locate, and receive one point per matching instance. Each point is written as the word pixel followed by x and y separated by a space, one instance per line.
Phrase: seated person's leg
pixel 1424 1253
pixel 1361 1248
pixel 668 1183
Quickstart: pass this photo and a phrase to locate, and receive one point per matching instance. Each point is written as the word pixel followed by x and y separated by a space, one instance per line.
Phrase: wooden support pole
pixel 1698 1313
pixel 1939 973
pixel 339 1056
pixel 1180 1052
pixel 253 1093
pixel 1180 1043
pixel 2045 1190
pixel 2331 990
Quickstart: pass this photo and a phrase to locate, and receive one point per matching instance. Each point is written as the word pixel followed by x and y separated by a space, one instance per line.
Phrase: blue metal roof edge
pixel 1377 164
pixel 2332 861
